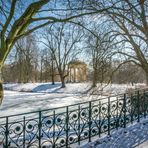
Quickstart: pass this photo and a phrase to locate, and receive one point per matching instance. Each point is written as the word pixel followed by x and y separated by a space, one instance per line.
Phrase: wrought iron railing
pixel 62 127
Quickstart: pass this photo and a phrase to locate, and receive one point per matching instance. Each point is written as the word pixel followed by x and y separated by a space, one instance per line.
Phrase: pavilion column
pixel 79 74
pixel 85 74
pixel 74 74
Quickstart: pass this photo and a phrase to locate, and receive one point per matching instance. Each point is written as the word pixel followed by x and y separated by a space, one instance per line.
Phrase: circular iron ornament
pixel 127 119
pixel 85 134
pixel 105 126
pixel 93 131
pixel 17 128
pixel 129 101
pixel 62 141
pixel 58 120
pixel 29 126
pixel 83 114
pixel 48 122
pixel 114 105
pixel 120 103
pixel 95 110
pixel 74 116
pixel 103 108
pixel 71 139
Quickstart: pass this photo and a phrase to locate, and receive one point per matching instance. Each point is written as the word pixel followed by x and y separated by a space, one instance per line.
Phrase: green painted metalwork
pixel 64 126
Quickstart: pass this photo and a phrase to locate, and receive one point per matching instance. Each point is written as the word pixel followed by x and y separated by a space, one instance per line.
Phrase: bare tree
pixel 45 65
pixel 61 41
pixel 130 31
pixel 128 73
pixel 99 48
pixel 129 28
pixel 26 54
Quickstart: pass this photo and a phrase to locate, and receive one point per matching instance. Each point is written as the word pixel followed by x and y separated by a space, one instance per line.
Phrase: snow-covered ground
pixel 134 136
pixel 20 98
pixel 20 102
pixel 71 88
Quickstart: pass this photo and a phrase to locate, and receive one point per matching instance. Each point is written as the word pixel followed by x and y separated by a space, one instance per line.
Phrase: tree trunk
pixel 41 72
pixel 1 89
pixel 63 82
pixel 146 73
pixel 52 73
pixel 146 78
pixel 94 81
pixel 53 83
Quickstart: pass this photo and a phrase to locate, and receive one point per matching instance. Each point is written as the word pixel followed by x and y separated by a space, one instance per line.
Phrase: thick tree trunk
pixel 1 89
pixel 146 79
pixel 1 93
pixel 146 73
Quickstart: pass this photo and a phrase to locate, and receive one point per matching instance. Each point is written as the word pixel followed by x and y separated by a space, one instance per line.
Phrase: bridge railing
pixel 64 126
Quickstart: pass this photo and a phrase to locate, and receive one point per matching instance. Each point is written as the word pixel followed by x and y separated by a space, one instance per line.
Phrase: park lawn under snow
pixel 20 98
pixel 71 88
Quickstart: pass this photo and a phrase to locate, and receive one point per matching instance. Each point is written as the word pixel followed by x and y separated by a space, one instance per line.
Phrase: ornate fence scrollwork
pixel 62 127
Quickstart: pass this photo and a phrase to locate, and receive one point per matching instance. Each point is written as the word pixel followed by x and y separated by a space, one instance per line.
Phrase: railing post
pixel 145 104
pixel 6 134
pixel 67 126
pixel 99 118
pixel 24 131
pixel 79 122
pixel 124 110
pixel 90 122
pixel 132 106
pixel 40 128
pixel 138 105
pixel 54 122
pixel 117 116
pixel 108 115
